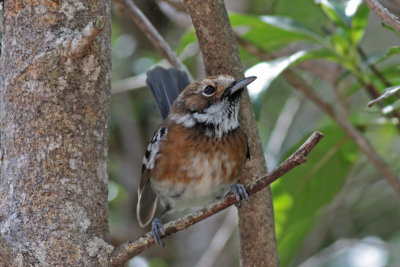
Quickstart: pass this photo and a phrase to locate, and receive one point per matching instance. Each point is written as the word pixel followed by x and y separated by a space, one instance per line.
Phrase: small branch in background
pixel 176 11
pixel 373 68
pixel 152 34
pixel 133 248
pixel 386 16
pixel 139 81
pixel 281 128
pixel 82 41
pixel 176 4
pixel 219 240
pixel 298 83
pixel 128 84
pixel 388 93
pixel 361 141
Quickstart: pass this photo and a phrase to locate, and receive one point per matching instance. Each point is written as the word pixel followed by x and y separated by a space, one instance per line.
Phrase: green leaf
pixel 300 194
pixel 188 38
pixel 272 32
pixel 359 23
pixel 351 16
pixel 390 28
pixel 340 43
pixel 322 53
pixel 305 11
pixel 393 51
pixel 335 11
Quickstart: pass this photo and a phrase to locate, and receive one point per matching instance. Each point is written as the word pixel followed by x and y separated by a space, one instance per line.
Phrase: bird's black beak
pixel 238 85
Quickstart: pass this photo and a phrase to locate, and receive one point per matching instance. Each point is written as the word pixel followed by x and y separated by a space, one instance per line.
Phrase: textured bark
pixel 55 96
pixel 220 55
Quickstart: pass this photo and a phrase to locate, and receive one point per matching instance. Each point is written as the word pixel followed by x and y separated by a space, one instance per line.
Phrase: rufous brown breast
pixel 189 158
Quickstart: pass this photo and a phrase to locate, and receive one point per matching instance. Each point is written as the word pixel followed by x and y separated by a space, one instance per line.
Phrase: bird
pixel 198 151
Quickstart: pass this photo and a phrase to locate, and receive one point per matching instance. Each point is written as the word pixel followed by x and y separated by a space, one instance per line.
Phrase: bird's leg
pixel 240 193
pixel 157 227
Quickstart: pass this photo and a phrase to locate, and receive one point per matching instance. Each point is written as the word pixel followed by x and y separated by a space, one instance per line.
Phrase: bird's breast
pixel 194 169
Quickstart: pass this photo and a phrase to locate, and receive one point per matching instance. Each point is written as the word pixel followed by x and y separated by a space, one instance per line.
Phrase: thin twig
pixel 152 34
pixel 388 93
pixel 133 248
pixel 298 83
pixel 384 14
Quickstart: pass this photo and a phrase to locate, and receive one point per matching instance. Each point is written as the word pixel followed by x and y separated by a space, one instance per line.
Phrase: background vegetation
pixel 338 210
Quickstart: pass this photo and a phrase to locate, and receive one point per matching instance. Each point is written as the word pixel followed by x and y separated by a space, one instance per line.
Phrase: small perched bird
pixel 198 151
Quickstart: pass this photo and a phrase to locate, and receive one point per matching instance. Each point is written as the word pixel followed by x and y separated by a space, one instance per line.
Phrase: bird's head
pixel 212 102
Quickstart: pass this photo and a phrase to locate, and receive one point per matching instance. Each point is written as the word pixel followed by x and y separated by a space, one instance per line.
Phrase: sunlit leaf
pixel 300 194
pixel 335 11
pixel 268 71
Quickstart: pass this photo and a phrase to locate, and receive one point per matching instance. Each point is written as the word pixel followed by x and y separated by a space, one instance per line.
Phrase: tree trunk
pixel 220 56
pixel 55 95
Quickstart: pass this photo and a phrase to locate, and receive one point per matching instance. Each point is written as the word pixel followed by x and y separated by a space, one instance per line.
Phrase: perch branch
pixel 136 15
pixel 133 248
pixel 363 144
pixel 84 38
pixel 387 17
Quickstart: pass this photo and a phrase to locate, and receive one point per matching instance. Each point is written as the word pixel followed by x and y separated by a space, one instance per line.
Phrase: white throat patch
pixel 222 117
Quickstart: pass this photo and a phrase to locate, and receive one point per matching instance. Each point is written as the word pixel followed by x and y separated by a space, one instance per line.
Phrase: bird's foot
pixel 157 229
pixel 240 193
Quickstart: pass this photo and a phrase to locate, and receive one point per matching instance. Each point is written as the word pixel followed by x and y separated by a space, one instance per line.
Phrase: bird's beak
pixel 240 84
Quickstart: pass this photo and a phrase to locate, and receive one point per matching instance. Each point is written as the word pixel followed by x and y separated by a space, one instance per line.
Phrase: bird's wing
pixel 166 85
pixel 147 198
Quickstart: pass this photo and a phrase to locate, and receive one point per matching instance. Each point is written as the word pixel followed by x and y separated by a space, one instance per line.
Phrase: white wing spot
pixel 154 147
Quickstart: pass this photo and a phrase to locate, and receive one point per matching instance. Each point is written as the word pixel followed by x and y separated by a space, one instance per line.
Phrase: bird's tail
pixel 166 85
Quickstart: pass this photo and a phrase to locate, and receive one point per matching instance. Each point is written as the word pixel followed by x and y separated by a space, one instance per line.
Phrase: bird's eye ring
pixel 209 90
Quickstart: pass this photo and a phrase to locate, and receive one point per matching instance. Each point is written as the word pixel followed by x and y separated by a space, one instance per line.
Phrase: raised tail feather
pixel 166 85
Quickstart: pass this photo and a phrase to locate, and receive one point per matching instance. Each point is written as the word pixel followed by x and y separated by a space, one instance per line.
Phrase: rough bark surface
pixel 54 125
pixel 220 55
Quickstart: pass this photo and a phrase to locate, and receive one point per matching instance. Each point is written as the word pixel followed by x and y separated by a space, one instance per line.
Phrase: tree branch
pixel 221 56
pixel 152 34
pixel 384 14
pixel 133 248
pixel 298 83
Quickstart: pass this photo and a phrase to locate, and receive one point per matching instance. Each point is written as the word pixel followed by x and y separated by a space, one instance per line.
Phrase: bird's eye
pixel 209 90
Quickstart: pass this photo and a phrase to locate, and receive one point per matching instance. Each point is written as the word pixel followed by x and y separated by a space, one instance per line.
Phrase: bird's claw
pixel 241 194
pixel 157 229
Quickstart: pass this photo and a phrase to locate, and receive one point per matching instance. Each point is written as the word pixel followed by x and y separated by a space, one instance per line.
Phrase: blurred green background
pixel 336 210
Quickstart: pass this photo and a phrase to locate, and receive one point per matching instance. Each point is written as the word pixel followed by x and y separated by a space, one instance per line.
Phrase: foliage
pixel 338 190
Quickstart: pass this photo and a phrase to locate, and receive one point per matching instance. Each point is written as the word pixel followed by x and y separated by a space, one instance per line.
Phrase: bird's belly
pixel 198 180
